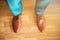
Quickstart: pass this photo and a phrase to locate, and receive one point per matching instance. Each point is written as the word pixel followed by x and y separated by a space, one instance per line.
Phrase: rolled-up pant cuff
pixel 15 6
pixel 41 6
pixel 39 12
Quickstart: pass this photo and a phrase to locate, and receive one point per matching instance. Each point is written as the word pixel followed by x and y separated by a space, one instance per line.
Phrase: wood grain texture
pixel 29 29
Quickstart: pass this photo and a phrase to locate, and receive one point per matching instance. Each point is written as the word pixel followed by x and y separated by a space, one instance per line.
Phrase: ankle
pixel 16 17
pixel 39 17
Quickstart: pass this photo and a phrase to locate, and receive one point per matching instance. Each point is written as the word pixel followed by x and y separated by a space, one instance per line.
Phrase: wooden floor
pixel 29 29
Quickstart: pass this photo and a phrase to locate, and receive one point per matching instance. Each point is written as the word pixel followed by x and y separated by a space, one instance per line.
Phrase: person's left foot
pixel 41 22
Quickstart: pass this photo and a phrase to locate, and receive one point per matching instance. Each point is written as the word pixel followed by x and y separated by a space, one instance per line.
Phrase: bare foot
pixel 41 22
pixel 16 23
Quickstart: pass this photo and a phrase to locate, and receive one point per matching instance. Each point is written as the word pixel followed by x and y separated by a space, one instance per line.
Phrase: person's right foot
pixel 41 22
pixel 16 23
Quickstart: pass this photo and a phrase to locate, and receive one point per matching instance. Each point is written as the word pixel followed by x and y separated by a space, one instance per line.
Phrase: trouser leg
pixel 41 6
pixel 15 6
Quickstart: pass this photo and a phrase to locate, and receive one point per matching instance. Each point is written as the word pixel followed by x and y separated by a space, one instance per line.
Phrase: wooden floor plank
pixel 29 29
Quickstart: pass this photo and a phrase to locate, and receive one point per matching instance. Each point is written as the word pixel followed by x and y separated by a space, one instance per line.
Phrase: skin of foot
pixel 41 22
pixel 16 23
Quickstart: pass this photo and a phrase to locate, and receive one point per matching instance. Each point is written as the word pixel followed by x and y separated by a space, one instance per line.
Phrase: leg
pixel 41 6
pixel 16 9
